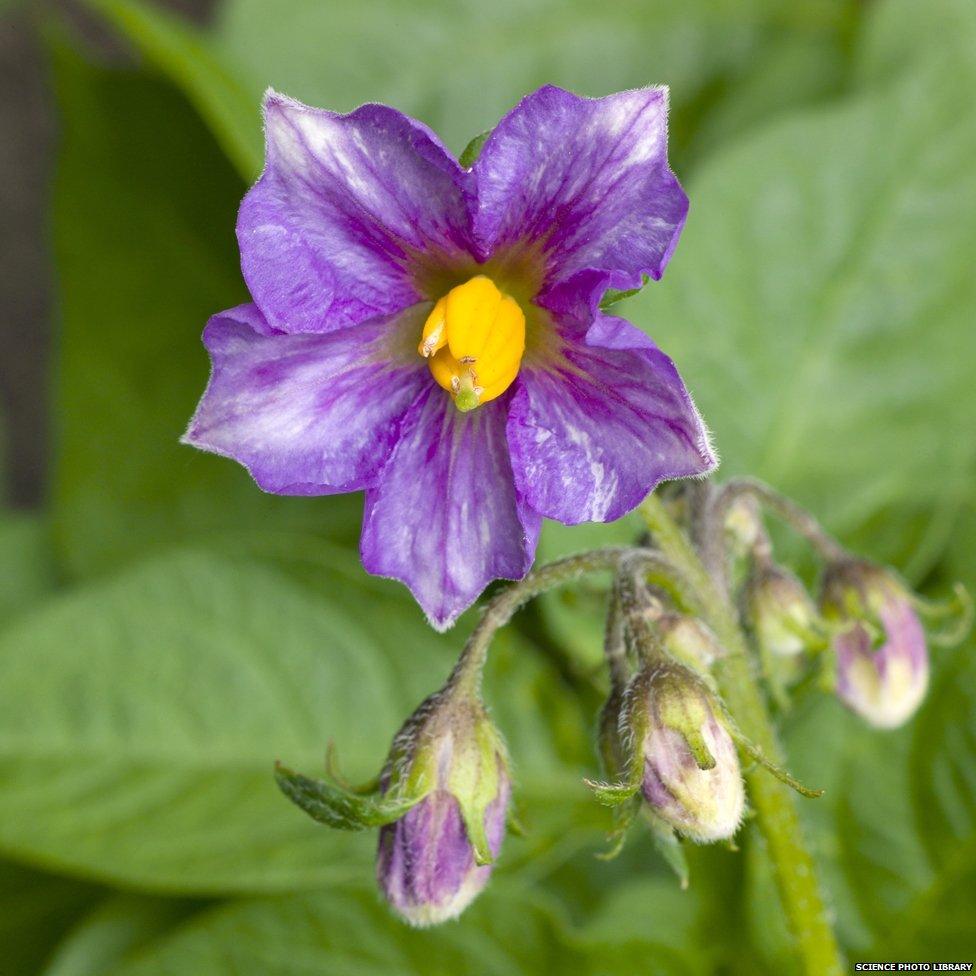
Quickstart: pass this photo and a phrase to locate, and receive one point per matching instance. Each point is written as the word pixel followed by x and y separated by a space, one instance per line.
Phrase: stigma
pixel 473 342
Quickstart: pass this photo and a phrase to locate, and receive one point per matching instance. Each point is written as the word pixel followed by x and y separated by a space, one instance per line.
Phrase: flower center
pixel 473 342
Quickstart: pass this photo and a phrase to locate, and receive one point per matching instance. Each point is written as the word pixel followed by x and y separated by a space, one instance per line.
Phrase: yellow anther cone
pixel 474 339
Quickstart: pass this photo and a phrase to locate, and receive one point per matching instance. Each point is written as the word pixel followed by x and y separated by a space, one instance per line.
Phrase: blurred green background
pixel 167 631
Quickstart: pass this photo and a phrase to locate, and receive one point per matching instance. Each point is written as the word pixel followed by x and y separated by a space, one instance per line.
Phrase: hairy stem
pixel 796 517
pixel 614 643
pixel 776 813
pixel 500 610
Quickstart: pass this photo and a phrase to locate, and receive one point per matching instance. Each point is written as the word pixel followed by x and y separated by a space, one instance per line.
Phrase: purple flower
pixel 426 866
pixel 882 659
pixel 433 334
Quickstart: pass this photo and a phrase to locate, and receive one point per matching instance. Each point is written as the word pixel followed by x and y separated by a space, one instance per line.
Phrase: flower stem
pixel 466 676
pixel 796 517
pixel 776 813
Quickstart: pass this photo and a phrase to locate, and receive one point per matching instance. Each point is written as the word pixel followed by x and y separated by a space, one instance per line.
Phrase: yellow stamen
pixel 473 341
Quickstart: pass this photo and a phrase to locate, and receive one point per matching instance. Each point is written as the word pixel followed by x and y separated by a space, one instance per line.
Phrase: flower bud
pixel 435 860
pixel 691 775
pixel 781 613
pixel 743 525
pixel 882 661
pixel 688 640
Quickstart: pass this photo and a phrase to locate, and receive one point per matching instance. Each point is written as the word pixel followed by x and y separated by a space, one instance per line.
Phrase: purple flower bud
pixel 426 865
pixel 882 660
pixel 436 859
pixel 781 613
pixel 692 778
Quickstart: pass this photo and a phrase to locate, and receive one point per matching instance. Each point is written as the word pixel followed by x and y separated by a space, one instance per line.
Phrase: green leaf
pixel 794 69
pixel 506 932
pixel 658 914
pixel 214 89
pixel 139 719
pixel 907 826
pixel 547 729
pixel 27 569
pixel 899 33
pixel 116 929
pixel 461 68
pixel 166 694
pixel 457 68
pixel 144 212
pixel 943 780
pixel 819 306
pixel 36 909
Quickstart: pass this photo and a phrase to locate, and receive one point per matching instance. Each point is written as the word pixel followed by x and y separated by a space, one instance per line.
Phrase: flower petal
pixel 306 414
pixel 444 518
pixel 591 435
pixel 345 202
pixel 588 179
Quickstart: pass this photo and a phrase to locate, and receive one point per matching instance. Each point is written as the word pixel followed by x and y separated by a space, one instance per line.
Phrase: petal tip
pixel 442 624
pixel 273 99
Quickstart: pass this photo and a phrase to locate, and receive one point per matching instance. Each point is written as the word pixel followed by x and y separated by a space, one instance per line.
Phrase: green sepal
pixel 755 753
pixel 614 295
pixel 475 786
pixel 335 806
pixel 623 817
pixel 332 772
pixel 669 846
pixel 629 779
pixel 699 748
pixel 612 794
pixel 959 606
pixel 474 825
pixel 815 636
pixel 473 149
pixel 514 823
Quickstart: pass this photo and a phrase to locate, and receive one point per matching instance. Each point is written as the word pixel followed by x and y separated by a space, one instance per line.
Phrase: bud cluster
pixel 669 748
pixel 865 633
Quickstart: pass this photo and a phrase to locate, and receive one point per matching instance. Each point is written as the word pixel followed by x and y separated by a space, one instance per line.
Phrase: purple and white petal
pixel 426 865
pixel 586 179
pixel 305 414
pixel 444 517
pixel 345 204
pixel 591 435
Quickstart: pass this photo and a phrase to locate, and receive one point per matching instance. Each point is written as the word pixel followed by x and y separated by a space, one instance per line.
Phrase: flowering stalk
pixel 800 520
pixel 501 609
pixel 776 814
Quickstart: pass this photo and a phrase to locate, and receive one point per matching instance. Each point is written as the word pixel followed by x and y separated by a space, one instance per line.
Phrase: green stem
pixel 798 518
pixel 614 642
pixel 466 676
pixel 774 804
